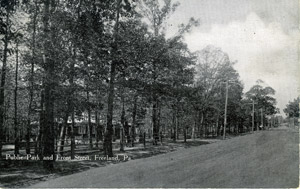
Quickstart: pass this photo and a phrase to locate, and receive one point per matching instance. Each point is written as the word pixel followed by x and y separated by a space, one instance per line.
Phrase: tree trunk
pixel 154 120
pixel 109 131
pixel 201 123
pixel 194 125
pixel 217 125
pixel 31 83
pixel 109 128
pixel 205 129
pixel 272 121
pixel 176 126
pixel 49 85
pixel 16 102
pixel 2 85
pixel 6 118
pixel 28 131
pixel 159 121
pixel 98 117
pixel 198 123
pixel 72 133
pixel 242 126
pixel 193 130
pixel 134 120
pixel 123 123
pixel 70 103
pixel 184 133
pixel 40 140
pixel 144 139
pixel 173 125
pixel 60 142
pixel 97 128
pixel 90 127
pixel 63 133
pixel 122 139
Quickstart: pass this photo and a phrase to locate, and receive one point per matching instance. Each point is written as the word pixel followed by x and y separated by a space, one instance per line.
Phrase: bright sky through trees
pixel 261 35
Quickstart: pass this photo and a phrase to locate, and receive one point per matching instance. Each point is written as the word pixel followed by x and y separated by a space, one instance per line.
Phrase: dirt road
pixel 264 159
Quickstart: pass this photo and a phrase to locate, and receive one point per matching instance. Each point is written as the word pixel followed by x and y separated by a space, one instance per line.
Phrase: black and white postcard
pixel 149 93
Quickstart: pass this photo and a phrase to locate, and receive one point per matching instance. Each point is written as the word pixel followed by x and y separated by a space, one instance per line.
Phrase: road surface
pixel 263 159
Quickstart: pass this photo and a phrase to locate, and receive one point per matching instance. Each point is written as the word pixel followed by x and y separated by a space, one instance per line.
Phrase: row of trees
pixel 292 111
pixel 111 59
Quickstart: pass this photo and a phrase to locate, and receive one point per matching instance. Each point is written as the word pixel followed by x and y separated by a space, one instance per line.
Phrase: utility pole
pixel 252 116
pixel 226 101
pixel 225 116
pixel 262 118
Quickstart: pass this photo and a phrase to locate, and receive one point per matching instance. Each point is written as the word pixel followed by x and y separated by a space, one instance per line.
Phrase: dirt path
pixel 264 159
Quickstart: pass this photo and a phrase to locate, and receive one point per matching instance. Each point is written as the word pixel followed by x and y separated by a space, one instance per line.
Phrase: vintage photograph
pixel 149 93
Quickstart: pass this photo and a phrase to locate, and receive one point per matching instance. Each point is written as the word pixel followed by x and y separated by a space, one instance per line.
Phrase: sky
pixel 261 35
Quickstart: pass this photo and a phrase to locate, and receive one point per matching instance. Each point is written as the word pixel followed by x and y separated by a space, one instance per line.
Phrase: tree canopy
pixel 102 70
